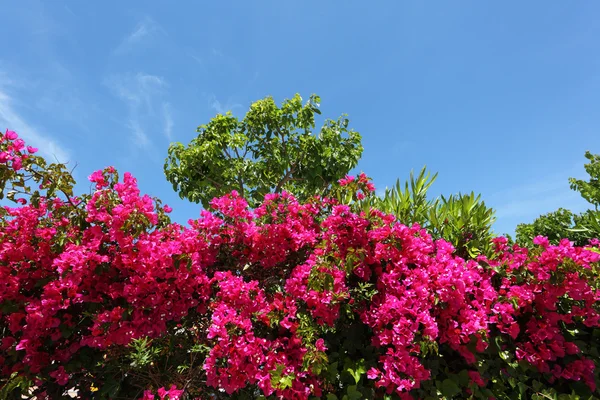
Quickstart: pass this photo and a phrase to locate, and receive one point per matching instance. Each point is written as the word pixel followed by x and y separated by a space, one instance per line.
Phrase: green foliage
pixel 462 219
pixel 142 354
pixel 409 202
pixel 16 387
pixel 39 179
pixel 563 223
pixel 465 221
pixel 589 190
pixel 178 355
pixel 280 380
pixel 270 150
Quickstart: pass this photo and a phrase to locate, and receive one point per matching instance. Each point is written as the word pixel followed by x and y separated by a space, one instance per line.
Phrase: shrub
pixel 104 295
pixel 461 219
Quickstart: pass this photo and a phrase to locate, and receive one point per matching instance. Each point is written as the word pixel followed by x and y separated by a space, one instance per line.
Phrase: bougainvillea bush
pixel 101 296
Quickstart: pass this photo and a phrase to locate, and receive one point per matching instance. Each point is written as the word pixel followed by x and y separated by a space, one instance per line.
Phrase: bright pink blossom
pixel 11 135
pixel 270 293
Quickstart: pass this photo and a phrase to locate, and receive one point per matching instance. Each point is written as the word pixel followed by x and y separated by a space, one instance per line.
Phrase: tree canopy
pixel 589 190
pixel 563 223
pixel 272 149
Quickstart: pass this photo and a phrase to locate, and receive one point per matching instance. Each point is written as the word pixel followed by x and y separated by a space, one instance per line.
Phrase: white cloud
pixel 139 136
pixel 215 62
pixel 11 119
pixel 142 93
pixel 223 108
pixel 524 203
pixel 70 11
pixel 531 207
pixel 5 80
pixel 197 59
pixel 138 90
pixel 216 105
pixel 148 81
pixel 168 121
pixel 53 91
pixel 145 29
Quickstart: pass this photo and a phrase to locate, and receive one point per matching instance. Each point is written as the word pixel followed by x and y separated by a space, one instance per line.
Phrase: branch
pixel 227 152
pixel 51 181
pixel 241 183
pixel 217 184
pixel 286 178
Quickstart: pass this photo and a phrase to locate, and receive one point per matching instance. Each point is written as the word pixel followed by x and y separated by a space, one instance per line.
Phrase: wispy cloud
pixel 137 90
pixel 221 108
pixel 146 29
pixel 197 59
pixel 168 121
pixel 524 203
pixel 216 105
pixel 5 80
pixel 528 208
pixel 140 137
pixel 43 86
pixel 216 62
pixel 70 11
pixel 10 118
pixel 59 95
pixel 142 94
pixel 216 52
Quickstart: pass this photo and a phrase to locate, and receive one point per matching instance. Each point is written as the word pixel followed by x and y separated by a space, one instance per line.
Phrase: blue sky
pixel 502 98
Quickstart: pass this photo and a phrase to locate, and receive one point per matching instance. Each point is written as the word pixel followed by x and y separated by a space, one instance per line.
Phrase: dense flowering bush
pixel 103 295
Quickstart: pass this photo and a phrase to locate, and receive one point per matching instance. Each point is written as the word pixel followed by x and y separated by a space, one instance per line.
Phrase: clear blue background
pixel 499 97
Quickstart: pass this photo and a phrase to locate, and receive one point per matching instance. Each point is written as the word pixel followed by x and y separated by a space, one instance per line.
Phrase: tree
pixel 271 149
pixel 559 224
pixel 589 190
pixel 563 223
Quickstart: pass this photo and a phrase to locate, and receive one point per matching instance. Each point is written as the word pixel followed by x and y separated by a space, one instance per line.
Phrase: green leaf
pixel 15 382
pixel 358 371
pixel 353 393
pixel 450 388
pixel 273 148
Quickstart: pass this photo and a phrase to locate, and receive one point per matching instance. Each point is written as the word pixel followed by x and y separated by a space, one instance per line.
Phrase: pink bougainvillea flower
pixel 172 393
pixel 17 164
pixel 263 287
pixel 320 345
pixel 61 376
pixel 11 135
pixel 147 395
pixel 346 180
pixel 541 241
pixel 476 378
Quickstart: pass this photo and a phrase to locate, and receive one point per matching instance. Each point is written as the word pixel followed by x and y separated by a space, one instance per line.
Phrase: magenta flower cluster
pixel 263 288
